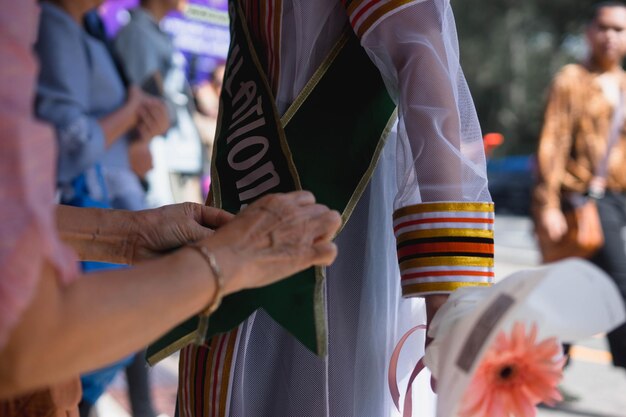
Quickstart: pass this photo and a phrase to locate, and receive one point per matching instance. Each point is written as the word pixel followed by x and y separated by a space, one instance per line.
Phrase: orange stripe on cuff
pixel 420 248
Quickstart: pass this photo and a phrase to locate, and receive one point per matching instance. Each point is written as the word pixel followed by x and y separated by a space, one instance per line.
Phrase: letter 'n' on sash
pixel 328 141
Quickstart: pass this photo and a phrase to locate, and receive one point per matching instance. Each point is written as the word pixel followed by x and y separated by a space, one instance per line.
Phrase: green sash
pixel 327 142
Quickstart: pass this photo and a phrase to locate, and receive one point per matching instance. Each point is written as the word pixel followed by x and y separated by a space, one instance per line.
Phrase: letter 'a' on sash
pixel 327 142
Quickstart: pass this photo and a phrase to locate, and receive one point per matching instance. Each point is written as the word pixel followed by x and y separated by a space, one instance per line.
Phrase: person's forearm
pixel 96 234
pixel 117 123
pixel 101 318
pixel 433 303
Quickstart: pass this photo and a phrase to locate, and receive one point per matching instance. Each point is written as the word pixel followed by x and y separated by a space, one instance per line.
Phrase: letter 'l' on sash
pixel 327 142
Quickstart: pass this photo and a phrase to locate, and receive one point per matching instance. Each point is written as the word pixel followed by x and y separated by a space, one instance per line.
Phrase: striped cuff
pixel 364 15
pixel 444 246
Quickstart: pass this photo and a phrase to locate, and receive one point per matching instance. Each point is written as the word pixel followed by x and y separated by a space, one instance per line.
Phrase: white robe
pixel 433 154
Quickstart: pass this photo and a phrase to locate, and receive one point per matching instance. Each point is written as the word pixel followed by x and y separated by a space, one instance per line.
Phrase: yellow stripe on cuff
pixel 446 261
pixel 415 290
pixel 449 206
pixel 420 234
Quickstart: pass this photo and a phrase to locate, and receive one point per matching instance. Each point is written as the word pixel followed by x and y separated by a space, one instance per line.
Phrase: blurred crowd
pixel 132 132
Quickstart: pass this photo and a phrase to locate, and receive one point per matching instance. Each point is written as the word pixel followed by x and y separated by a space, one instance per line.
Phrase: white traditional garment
pixel 431 172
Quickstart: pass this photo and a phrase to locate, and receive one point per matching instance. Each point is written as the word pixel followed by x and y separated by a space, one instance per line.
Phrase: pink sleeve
pixel 27 172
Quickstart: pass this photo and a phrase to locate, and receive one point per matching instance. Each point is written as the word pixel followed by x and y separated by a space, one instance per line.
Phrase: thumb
pixel 213 217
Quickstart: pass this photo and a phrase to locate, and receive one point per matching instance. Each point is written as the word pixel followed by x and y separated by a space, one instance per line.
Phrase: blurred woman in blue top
pixel 81 93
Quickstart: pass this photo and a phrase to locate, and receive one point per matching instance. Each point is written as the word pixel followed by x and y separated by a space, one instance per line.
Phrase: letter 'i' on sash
pixel 327 142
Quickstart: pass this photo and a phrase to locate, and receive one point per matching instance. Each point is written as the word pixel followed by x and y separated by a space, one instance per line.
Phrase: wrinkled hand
pixel 158 231
pixel 553 221
pixel 273 238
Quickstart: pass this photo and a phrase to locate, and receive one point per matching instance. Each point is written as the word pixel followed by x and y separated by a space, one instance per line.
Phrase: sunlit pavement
pixel 164 378
pixel 600 388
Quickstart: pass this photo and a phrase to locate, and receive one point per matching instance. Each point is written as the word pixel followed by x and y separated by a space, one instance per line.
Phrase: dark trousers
pixel 612 259
pixel 139 387
pixel 139 394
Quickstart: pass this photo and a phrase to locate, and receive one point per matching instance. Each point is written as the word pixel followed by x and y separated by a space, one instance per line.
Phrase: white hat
pixel 570 300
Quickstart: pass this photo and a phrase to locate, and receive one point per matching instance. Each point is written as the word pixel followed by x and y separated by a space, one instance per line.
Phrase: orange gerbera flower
pixel 514 376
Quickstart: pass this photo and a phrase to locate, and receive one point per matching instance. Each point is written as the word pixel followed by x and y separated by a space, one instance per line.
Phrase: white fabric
pixel 276 376
pixel 436 157
pixel 440 148
pixel 440 152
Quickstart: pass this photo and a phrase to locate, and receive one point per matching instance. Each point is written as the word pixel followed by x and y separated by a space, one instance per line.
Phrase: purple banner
pixel 200 32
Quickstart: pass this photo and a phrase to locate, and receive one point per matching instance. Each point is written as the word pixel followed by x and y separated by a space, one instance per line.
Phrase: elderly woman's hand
pixel 157 231
pixel 273 238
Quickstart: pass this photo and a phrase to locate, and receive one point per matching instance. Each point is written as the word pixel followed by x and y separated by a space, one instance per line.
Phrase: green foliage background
pixel 510 49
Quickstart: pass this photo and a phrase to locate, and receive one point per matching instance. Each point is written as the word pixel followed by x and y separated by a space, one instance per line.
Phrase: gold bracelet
pixel 203 322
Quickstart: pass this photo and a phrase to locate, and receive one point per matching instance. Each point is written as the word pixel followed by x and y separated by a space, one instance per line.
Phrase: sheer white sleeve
pixel 444 216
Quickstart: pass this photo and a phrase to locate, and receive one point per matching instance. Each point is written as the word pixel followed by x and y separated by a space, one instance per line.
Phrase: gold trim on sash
pixel 170 349
pixel 320 273
pixel 315 78
pixel 304 94
pixel 281 122
pixel 358 191
pixel 216 196
pixel 319 305
pixel 215 193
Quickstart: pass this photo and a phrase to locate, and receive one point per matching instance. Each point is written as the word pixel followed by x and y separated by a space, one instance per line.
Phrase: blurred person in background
pixel 207 95
pixel 103 131
pixel 55 325
pixel 140 160
pixel 80 92
pixel 149 59
pixel 583 100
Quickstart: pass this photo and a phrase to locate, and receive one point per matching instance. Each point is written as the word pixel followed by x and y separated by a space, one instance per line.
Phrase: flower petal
pixel 514 375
